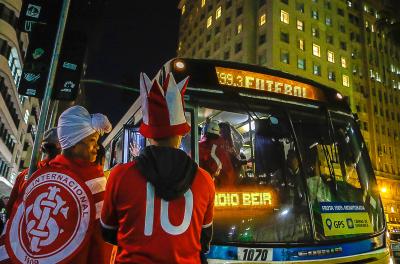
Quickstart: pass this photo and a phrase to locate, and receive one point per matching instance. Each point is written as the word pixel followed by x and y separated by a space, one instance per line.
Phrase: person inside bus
pixel 49 148
pixel 319 183
pixel 214 155
pixel 293 180
pixel 169 188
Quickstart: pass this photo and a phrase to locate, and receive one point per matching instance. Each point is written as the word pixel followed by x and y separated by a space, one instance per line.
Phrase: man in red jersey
pixel 159 207
pixel 57 221
pixel 50 148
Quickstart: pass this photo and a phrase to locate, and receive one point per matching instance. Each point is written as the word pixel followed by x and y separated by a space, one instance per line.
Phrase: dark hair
pixel 51 150
pixel 101 154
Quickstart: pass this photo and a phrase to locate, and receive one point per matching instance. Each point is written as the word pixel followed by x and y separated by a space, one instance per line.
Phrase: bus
pixel 296 183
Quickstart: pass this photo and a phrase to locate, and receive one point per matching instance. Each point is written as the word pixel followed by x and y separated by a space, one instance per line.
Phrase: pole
pixel 49 87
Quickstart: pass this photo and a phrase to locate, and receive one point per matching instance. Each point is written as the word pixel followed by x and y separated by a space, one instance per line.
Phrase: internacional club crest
pixel 51 221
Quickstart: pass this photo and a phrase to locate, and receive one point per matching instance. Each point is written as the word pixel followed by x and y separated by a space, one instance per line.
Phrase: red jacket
pixel 96 251
pixel 78 175
pixel 153 230
pixel 214 158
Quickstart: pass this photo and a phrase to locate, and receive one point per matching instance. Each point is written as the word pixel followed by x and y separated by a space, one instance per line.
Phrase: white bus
pixel 301 186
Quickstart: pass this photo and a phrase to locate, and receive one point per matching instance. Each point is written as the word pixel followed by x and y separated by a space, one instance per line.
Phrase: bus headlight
pixel 179 65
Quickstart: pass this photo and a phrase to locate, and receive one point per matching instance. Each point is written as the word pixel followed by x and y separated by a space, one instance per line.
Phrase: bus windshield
pixel 278 175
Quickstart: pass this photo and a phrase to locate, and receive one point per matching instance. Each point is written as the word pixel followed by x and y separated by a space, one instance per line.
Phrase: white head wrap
pixel 75 123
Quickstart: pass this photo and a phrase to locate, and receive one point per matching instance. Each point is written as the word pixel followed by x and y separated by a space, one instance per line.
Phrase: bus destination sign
pixel 265 82
pixel 242 199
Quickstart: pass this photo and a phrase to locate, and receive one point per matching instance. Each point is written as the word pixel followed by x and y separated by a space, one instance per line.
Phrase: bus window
pixel 134 142
pixel 255 166
pixel 337 173
pixel 186 143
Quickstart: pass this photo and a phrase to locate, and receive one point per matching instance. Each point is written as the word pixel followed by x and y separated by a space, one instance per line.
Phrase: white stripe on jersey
pixel 97 185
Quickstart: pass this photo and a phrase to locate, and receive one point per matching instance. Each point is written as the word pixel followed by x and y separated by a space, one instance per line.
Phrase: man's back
pixel 153 230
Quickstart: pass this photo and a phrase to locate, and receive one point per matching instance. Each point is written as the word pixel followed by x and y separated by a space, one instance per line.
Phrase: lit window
pixel 203 3
pixel 301 63
pixel 301 44
pixel 328 21
pixel 209 21
pixel 372 28
pixel 314 14
pixel 300 25
pixel 239 28
pixel 331 75
pixel 218 13
pixel 285 17
pixel 183 9
pixel 317 69
pixel 346 80
pixel 26 117
pixel 263 18
pixel 343 62
pixel 331 56
pixel 285 57
pixel 180 45
pixel 316 50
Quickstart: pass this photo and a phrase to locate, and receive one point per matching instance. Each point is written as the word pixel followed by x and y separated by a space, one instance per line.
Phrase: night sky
pixel 133 37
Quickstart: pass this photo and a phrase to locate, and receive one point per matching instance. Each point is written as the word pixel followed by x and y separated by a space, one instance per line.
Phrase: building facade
pixel 18 114
pixel 334 42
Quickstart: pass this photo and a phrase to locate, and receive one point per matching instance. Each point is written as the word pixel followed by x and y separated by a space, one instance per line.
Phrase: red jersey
pixel 83 246
pixel 150 229
pixel 214 158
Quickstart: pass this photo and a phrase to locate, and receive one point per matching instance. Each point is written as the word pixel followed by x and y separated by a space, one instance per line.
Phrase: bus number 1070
pixel 254 254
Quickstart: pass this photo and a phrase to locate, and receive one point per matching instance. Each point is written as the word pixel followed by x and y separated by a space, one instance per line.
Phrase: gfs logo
pixel 52 221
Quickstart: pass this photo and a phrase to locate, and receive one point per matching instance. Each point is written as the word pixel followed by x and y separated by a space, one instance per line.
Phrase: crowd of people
pixel 157 208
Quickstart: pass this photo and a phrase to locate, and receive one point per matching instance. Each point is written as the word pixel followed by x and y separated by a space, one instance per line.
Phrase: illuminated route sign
pixel 242 199
pixel 265 82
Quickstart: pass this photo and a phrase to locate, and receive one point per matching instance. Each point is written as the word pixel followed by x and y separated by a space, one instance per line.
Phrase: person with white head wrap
pixel 76 123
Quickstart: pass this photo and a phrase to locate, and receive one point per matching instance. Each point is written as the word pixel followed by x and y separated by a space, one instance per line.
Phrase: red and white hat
pixel 163 107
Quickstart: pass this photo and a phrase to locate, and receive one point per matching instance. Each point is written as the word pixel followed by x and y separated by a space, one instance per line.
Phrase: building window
pixel 340 12
pixel 316 50
pixel 328 4
pixel 316 69
pixel 203 3
pixel 301 63
pixel 328 21
pixel 329 39
pixel 209 21
pixel 315 32
pixel 284 17
pixel 239 28
pixel 262 39
pixel 218 12
pixel 227 21
pixel 183 9
pixel 263 18
pixel 285 57
pixel 346 80
pixel 314 14
pixel 331 56
pixel 342 28
pixel 343 62
pixel 331 75
pixel 343 45
pixel 285 37
pixel 301 44
pixel 300 7
pixel 239 11
pixel 285 1
pixel 238 47
pixel 300 25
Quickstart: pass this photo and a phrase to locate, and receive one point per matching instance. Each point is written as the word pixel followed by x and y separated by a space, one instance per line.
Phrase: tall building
pixel 18 114
pixel 334 42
